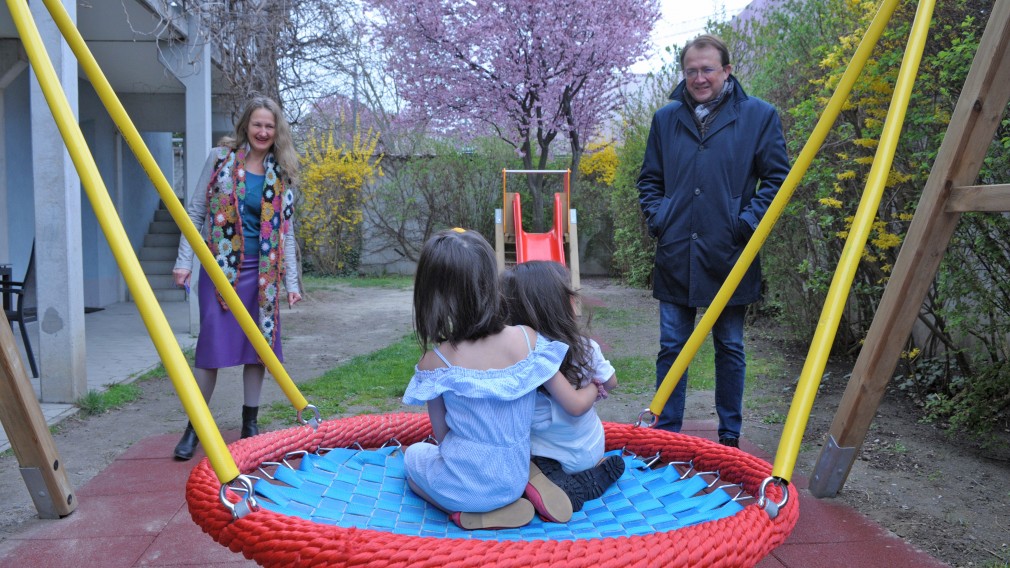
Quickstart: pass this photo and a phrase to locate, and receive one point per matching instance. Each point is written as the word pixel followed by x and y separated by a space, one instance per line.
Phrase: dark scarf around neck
pixel 704 112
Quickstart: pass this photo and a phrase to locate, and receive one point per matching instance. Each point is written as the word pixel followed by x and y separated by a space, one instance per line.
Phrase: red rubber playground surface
pixel 134 513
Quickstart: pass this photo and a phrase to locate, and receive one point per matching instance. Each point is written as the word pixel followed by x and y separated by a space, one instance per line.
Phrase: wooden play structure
pixel 561 244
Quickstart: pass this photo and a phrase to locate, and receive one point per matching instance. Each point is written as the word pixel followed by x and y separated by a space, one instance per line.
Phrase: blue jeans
pixel 675 326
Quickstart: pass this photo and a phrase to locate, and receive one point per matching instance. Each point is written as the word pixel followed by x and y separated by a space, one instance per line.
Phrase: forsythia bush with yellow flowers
pixel 330 211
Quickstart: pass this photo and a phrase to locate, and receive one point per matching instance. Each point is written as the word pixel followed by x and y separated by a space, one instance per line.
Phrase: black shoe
pixel 249 427
pixel 585 485
pixel 730 442
pixel 593 483
pixel 187 445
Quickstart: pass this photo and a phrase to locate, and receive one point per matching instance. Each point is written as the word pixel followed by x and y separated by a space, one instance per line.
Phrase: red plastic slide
pixel 540 246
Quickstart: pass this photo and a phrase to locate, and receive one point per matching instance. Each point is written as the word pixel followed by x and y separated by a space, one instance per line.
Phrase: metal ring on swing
pixel 245 505
pixel 771 506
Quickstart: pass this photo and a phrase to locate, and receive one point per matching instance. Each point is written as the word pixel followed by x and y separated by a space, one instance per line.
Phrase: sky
pixel 681 20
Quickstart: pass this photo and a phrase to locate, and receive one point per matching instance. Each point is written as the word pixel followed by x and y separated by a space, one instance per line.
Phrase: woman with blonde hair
pixel 243 205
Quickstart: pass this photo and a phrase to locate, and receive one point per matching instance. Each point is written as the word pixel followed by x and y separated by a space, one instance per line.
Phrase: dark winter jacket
pixel 703 197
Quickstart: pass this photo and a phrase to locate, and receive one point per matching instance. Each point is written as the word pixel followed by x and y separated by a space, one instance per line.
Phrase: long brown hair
pixel 539 294
pixel 457 296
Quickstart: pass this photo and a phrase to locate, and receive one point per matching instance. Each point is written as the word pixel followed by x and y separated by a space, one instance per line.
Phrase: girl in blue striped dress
pixel 478 378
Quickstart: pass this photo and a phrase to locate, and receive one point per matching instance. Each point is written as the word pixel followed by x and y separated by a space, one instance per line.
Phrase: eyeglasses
pixel 704 72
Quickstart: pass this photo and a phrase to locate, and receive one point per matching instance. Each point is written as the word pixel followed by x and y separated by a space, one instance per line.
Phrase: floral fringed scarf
pixel 225 205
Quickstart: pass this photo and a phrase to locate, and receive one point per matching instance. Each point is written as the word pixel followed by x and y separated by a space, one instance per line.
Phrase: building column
pixel 58 259
pixel 191 64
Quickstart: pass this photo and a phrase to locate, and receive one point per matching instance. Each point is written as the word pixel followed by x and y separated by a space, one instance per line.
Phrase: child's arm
pixel 604 387
pixel 611 383
pixel 436 413
pixel 601 366
pixel 574 402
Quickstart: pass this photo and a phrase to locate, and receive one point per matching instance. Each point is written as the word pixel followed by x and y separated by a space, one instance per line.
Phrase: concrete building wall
pixel 20 214
pixel 94 248
pixel 128 185
pixel 130 189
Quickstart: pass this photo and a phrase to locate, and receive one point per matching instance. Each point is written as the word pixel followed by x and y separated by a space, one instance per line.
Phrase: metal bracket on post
pixel 832 469
pixel 36 485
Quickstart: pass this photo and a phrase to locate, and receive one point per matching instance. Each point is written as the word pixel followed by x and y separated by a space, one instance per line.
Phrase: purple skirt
pixel 222 343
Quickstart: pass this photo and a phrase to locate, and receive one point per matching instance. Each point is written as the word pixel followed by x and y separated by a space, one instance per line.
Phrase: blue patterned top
pixel 483 462
pixel 251 211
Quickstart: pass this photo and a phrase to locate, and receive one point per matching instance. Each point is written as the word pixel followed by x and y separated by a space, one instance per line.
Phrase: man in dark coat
pixel 714 161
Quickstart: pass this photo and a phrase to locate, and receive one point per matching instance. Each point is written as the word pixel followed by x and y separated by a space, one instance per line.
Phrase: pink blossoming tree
pixel 527 71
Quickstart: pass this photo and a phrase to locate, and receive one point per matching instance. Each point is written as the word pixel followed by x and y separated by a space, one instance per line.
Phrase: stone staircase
pixel 157 256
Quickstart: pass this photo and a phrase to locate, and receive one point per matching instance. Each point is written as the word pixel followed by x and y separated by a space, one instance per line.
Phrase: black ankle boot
pixel 593 483
pixel 585 485
pixel 249 427
pixel 187 445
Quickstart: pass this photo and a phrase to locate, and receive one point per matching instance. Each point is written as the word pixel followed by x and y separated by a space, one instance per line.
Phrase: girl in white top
pixel 568 449
pixel 478 377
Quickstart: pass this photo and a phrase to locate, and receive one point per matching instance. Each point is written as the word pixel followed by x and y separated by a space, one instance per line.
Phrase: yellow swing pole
pixel 161 333
pixel 841 283
pixel 175 208
pixel 777 206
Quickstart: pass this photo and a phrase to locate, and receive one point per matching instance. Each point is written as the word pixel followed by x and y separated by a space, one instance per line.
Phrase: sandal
pixel 550 501
pixel 516 514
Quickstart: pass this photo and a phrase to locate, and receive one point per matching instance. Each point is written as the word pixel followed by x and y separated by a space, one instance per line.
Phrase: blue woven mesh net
pixel 367 489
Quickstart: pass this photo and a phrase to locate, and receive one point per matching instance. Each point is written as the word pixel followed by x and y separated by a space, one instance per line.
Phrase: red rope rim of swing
pixel 273 539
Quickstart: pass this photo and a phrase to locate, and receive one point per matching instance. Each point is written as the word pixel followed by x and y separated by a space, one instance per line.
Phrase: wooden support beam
pixel 44 473
pixel 978 112
pixel 573 256
pixel 499 239
pixel 988 198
